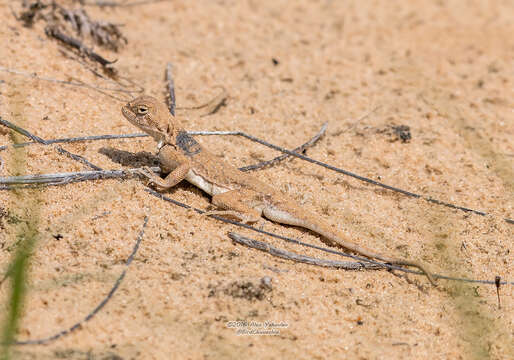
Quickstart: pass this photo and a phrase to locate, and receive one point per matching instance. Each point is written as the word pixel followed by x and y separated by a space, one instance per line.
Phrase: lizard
pixel 236 193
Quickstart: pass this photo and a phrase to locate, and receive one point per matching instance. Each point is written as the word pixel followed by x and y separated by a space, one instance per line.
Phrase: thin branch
pixel 103 92
pixel 35 76
pixel 10 182
pixel 212 105
pixel 79 139
pixel 356 122
pixel 359 177
pixel 171 88
pixel 78 83
pixel 53 31
pixel 78 158
pixel 93 138
pixel 327 250
pixel 102 303
pixel 217 102
pixel 21 131
pixel 264 246
pixel 301 148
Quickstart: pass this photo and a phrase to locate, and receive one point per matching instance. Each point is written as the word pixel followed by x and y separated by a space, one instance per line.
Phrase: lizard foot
pixel 147 173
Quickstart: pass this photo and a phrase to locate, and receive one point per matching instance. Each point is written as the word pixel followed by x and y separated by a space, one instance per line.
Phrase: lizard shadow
pixel 126 158
pixel 137 160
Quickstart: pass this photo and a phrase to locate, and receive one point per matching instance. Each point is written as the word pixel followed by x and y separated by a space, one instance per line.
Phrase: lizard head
pixel 151 116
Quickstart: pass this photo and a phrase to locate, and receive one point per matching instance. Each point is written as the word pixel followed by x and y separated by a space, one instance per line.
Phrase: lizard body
pixel 237 193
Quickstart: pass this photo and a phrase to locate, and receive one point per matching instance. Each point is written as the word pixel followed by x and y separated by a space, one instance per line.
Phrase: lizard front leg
pixel 172 162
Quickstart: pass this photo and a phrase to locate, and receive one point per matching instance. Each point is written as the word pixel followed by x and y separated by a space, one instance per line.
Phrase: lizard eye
pixel 142 109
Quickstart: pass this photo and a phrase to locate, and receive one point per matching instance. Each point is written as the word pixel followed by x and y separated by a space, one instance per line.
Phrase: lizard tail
pixel 350 245
pixel 287 213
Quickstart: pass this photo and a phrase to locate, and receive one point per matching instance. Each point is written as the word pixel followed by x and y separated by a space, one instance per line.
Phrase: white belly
pixel 208 187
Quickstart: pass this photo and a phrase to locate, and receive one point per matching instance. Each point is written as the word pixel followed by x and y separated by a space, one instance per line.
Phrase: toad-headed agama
pixel 236 193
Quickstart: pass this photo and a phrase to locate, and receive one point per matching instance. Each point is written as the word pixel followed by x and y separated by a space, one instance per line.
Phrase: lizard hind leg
pixel 241 204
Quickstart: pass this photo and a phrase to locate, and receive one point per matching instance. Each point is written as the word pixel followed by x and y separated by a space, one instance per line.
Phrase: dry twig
pixel 74 28
pixel 171 89
pixel 284 156
pixel 79 83
pixel 53 31
pixel 263 246
pixel 212 105
pixel 11 182
pixel 101 33
pixel 102 303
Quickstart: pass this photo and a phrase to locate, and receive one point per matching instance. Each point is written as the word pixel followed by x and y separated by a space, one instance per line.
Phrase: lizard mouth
pixel 125 110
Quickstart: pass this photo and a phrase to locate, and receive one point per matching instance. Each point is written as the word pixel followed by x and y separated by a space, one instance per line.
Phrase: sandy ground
pixel 443 68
